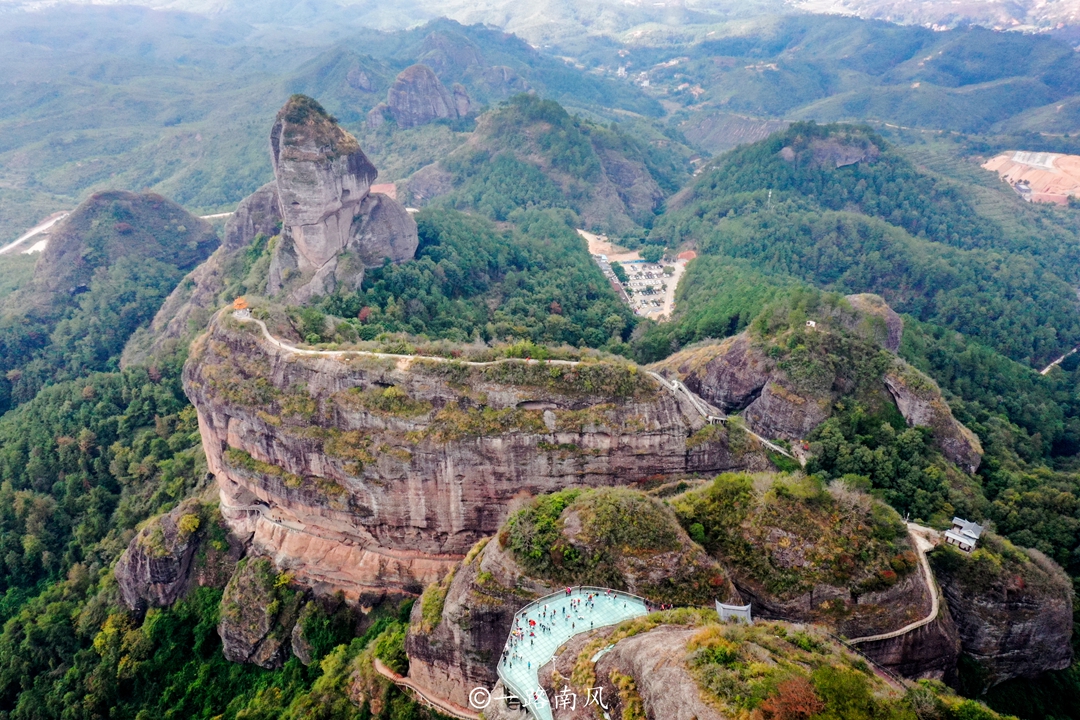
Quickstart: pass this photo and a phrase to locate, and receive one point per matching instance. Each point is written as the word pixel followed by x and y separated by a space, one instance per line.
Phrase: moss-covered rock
pixel 1013 608
pixel 188 546
pixel 258 611
pixel 807 552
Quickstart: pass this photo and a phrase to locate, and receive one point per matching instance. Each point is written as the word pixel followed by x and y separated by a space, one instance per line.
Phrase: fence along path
pixel 922 544
pixel 423 695
pixel 708 413
pixel 544 625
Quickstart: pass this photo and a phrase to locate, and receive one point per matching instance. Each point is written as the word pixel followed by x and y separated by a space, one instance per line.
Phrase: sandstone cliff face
pixel 188 308
pixel 920 402
pixel 387 471
pixel 323 182
pixel 461 651
pixel 1012 608
pixel 739 375
pixel 418 97
pixel 929 652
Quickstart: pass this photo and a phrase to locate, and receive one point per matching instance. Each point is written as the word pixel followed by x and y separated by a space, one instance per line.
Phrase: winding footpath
pixel 425 696
pixel 710 414
pixel 922 543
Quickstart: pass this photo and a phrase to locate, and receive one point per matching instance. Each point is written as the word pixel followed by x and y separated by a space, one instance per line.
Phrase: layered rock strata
pixel 365 474
pixel 739 375
pixel 333 226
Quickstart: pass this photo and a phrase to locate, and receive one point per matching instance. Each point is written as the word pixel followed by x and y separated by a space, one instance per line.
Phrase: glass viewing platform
pixel 543 626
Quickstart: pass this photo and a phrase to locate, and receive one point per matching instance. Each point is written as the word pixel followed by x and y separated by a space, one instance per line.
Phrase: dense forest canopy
pixel 782 228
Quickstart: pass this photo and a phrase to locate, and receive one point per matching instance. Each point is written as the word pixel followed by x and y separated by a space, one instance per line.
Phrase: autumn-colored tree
pixel 795 699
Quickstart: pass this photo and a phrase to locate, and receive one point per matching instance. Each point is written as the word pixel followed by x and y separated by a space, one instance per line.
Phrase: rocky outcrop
pixel 171 554
pixel 429 182
pixel 747 374
pixel 920 402
pixel 833 152
pixel 736 375
pixel 633 183
pixel 657 661
pixel 1013 608
pixel 333 227
pixel 189 307
pixel 875 320
pixel 460 650
pixel 258 612
pixel 418 97
pixel 377 116
pixel 782 412
pixel 367 475
pixel 153 571
pixel 462 101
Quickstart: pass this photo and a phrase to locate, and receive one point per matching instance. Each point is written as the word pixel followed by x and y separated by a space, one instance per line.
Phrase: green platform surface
pixel 530 647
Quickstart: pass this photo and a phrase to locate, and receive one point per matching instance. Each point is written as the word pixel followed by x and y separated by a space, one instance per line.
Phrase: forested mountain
pixel 838 208
pixel 582 132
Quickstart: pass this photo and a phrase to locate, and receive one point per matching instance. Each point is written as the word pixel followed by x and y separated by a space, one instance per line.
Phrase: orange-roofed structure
pixel 240 304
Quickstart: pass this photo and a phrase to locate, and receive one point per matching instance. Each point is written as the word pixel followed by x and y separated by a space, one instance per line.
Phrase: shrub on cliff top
pixel 789 533
pixel 607 537
pixel 997 563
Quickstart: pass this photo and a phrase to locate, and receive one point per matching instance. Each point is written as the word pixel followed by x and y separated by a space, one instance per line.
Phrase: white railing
pixel 509 684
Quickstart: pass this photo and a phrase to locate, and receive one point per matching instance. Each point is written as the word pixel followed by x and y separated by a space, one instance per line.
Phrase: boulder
pixel 154 570
pixel 322 176
pixel 258 612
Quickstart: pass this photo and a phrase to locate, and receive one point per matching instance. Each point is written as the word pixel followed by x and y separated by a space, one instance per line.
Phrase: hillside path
pixel 920 536
pixel 423 695
pixel 710 414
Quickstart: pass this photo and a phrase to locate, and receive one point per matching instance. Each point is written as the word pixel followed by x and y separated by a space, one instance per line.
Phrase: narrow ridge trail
pixel 711 415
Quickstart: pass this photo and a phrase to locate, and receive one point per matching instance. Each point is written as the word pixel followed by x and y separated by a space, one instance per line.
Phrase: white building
pixel 964 534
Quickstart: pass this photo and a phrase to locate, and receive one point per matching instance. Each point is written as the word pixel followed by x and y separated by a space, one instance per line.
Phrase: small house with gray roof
pixel 964 534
